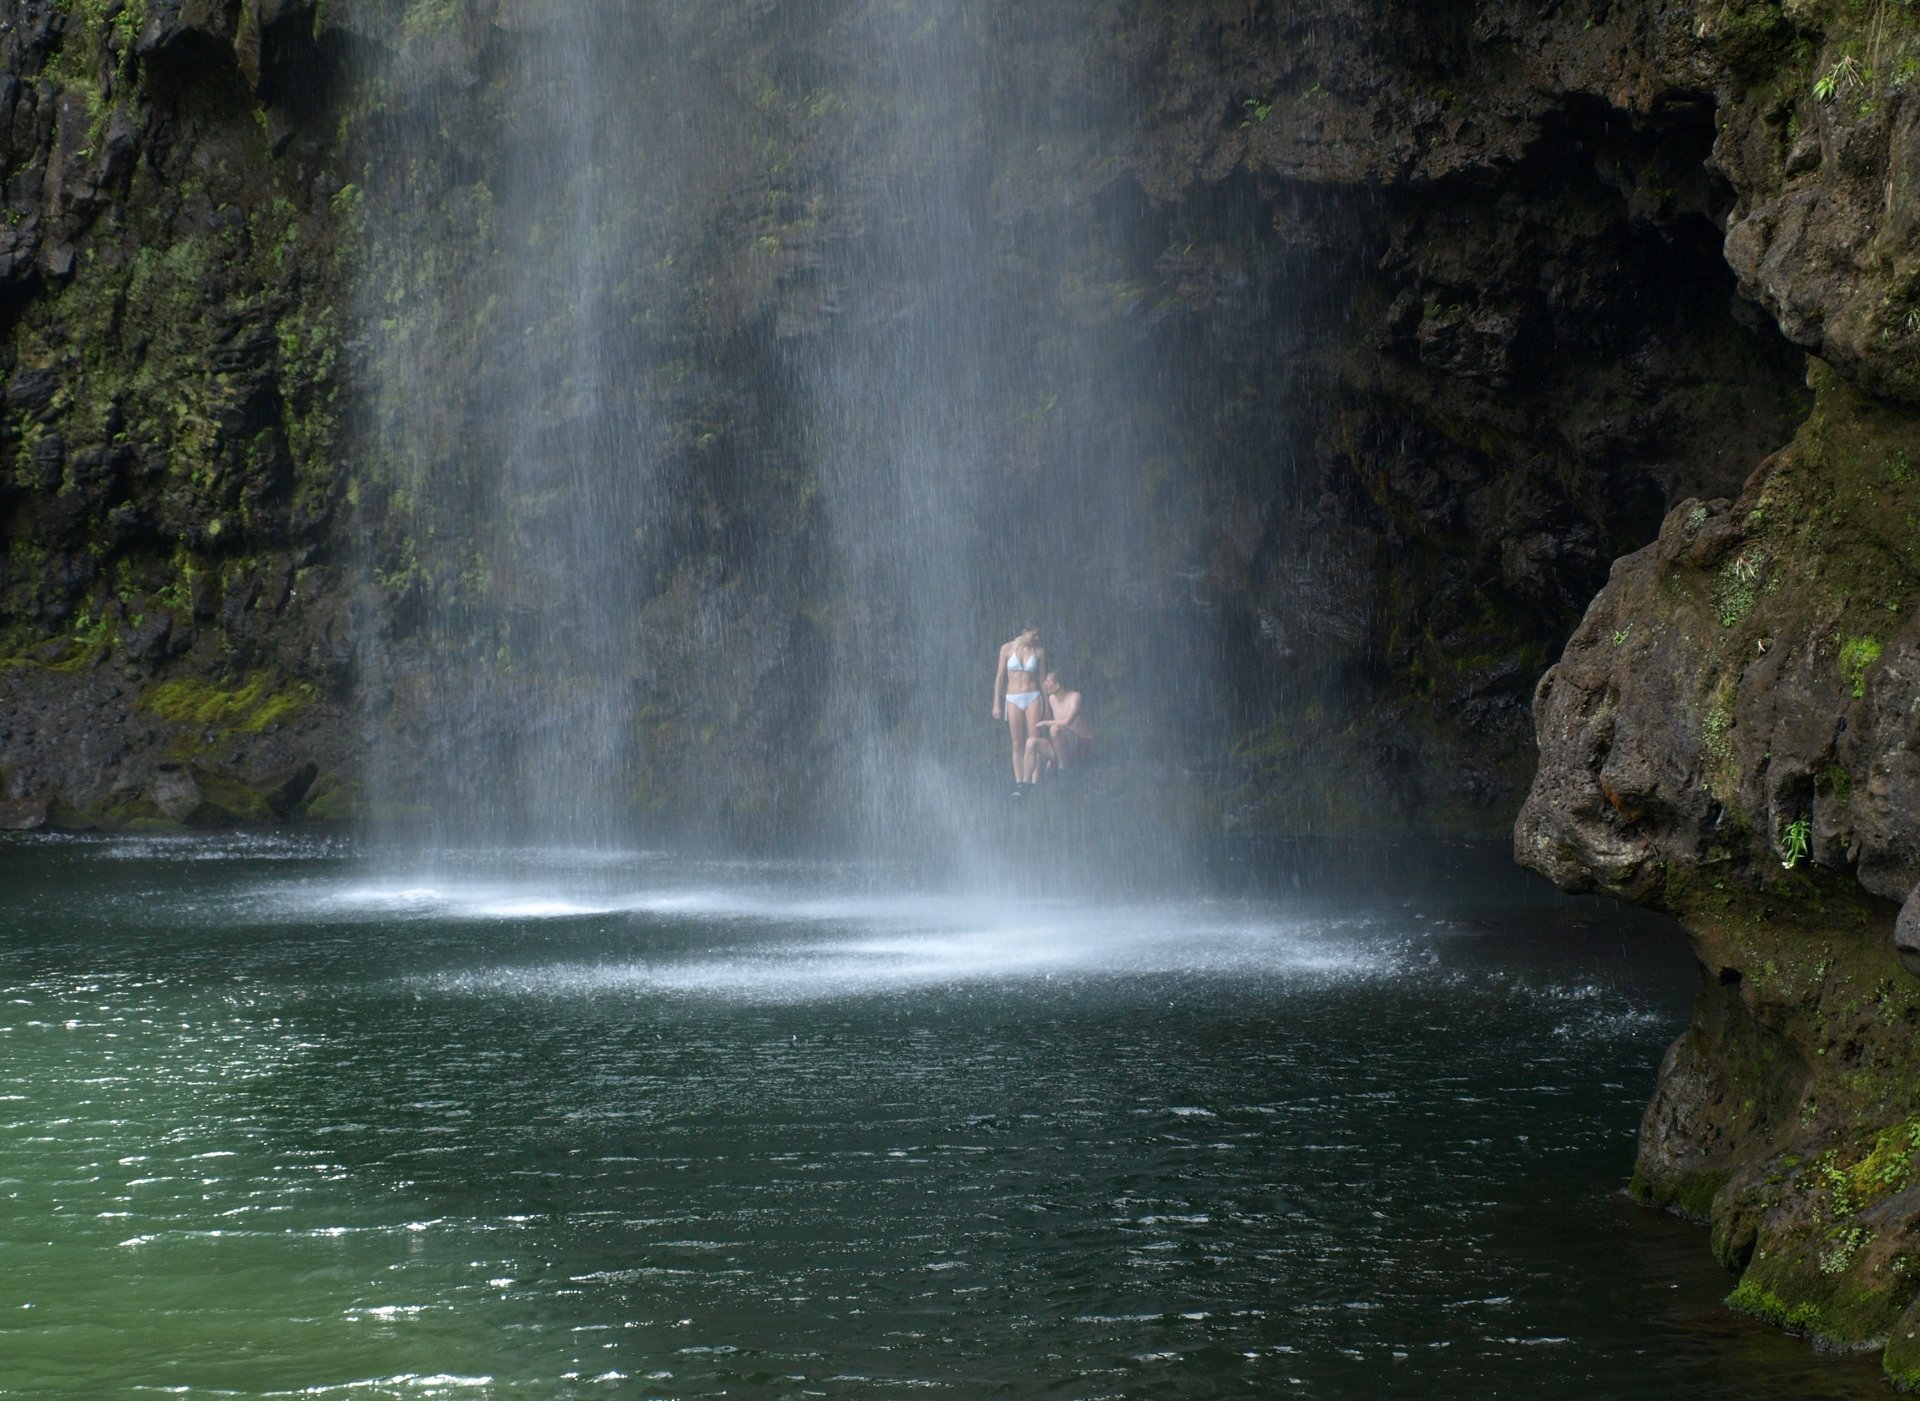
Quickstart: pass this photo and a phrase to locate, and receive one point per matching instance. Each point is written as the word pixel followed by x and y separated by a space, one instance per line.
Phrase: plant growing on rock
pixel 1856 656
pixel 92 630
pixel 1796 843
pixel 1844 76
pixel 1736 589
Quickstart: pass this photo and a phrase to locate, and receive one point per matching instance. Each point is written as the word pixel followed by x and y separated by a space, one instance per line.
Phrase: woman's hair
pixel 1030 625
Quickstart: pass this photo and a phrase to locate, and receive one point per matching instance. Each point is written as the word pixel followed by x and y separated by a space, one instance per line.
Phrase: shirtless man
pixel 1065 735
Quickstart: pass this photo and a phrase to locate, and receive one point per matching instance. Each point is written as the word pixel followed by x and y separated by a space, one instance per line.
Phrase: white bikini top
pixel 1015 664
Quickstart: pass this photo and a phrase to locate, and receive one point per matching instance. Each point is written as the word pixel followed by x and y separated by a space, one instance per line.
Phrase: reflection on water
pixel 276 1121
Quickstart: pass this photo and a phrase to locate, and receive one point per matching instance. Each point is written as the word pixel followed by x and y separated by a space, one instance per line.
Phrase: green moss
pixel 1691 1196
pixel 1832 1306
pixel 1751 1298
pixel 1843 557
pixel 1809 1048
pixel 191 701
pixel 1753 37
pixel 432 18
pixel 1902 1357
pixel 246 709
pixel 223 800
pixel 138 329
pixel 274 710
pixel 1736 586
pixel 1856 655
pixel 75 658
pixel 1716 743
pixel 335 802
pixel 152 824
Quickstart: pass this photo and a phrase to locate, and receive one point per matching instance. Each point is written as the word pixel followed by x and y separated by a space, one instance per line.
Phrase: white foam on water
pixel 542 897
pixel 871 945
pixel 787 931
pixel 235 846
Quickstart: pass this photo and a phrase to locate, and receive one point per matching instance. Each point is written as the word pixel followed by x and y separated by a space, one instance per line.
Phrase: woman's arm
pixel 1000 680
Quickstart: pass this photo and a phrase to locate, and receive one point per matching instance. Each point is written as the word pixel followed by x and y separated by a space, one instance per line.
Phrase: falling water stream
pixel 634 560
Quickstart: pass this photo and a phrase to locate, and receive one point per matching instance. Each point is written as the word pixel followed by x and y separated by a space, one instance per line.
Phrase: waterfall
pixel 740 378
pixel 514 444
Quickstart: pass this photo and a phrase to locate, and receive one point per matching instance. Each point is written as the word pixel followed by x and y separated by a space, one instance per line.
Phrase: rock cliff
pixel 1730 733
pixel 175 626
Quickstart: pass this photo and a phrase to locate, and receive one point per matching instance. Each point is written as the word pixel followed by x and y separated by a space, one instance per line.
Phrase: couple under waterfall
pixel 1046 718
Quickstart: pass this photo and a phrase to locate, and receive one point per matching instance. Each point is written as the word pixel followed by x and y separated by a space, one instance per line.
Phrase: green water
pixel 278 1120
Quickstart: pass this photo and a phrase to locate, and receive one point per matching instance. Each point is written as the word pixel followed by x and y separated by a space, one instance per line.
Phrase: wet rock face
pixel 1906 933
pixel 1825 152
pixel 1729 735
pixel 168 417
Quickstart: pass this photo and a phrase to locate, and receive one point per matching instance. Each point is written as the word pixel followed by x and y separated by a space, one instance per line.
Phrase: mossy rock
pixel 1753 37
pixel 155 826
pixel 1691 1195
pixel 226 801
pixel 1831 1309
pixel 249 708
pixel 334 801
pixel 1902 1357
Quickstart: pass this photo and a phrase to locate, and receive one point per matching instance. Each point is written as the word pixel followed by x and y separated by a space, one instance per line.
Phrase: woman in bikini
pixel 1016 690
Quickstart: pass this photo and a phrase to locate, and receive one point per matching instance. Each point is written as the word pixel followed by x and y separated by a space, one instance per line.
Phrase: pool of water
pixel 279 1118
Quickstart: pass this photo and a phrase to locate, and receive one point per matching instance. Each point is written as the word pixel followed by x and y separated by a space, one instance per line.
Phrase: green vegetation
pixel 1736 586
pixel 1752 1298
pixel 1722 770
pixel 1753 36
pixel 335 802
pixel 1796 843
pixel 93 631
pixel 1856 655
pixel 1843 76
pixel 1692 1197
pixel 1808 1044
pixel 98 61
pixel 247 709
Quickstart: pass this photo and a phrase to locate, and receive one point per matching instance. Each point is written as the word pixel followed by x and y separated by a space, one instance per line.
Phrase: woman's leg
pixel 1017 733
